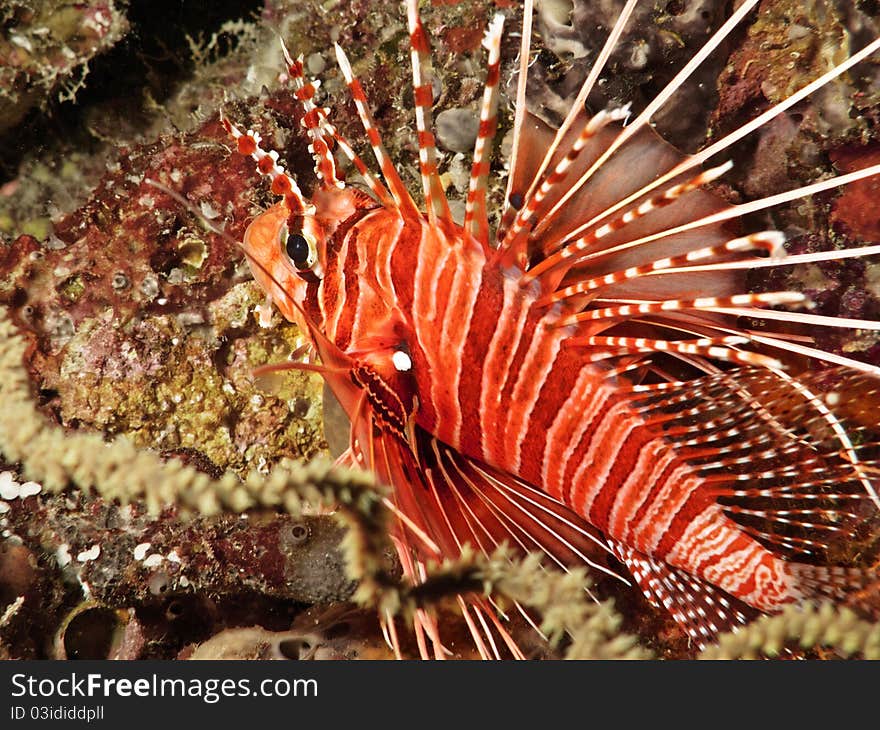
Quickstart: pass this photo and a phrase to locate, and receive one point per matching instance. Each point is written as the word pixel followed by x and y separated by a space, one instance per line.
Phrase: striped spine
pixel 314 121
pixel 423 100
pixel 248 143
pixel 534 203
pixel 398 190
pixel 475 216
pixel 569 253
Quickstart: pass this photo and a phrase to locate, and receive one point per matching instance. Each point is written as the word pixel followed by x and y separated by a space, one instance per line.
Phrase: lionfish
pixel 578 379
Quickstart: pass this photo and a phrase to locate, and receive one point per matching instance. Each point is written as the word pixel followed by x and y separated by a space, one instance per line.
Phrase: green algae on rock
pixel 166 388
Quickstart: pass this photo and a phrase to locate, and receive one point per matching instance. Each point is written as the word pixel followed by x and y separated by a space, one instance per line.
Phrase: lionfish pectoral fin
pixel 446 501
pixel 701 609
pixel 788 461
pixel 461 501
pixel 777 451
pixel 535 136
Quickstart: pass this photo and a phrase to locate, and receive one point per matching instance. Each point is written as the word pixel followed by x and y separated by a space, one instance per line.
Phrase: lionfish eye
pixel 299 251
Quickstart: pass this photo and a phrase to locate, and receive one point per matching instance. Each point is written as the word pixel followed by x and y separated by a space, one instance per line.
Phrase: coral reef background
pixel 135 323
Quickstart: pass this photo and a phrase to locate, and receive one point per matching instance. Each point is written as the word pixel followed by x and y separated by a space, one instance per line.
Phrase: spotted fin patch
pixel 701 609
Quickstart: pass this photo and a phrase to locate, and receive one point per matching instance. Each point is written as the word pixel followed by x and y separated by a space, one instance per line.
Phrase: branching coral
pixel 806 626
pixel 560 598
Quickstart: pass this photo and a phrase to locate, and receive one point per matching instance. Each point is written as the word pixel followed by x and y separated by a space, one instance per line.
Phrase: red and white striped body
pixel 494 381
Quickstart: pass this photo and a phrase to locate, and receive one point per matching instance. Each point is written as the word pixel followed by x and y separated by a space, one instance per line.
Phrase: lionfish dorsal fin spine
pixel 717 348
pixel 645 116
pixel 504 232
pixel 532 207
pixel 572 246
pixel 509 210
pixel 374 184
pixel 640 309
pixel 476 220
pixel 768 241
pixel 726 213
pixel 589 83
pixel 423 100
pixel 725 142
pixel 777 260
pixel 402 199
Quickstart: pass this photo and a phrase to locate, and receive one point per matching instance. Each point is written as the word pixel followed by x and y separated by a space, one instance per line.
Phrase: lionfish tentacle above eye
pixel 601 380
pixel 248 143
pixel 314 120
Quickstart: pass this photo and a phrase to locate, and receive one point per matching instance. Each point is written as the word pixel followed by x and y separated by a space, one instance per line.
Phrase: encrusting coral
pixel 46 48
